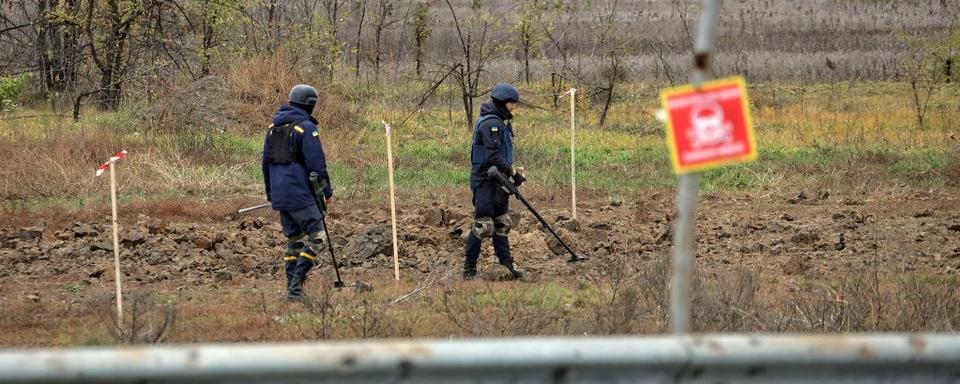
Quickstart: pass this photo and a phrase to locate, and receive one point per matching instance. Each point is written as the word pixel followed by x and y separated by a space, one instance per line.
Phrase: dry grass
pixel 852 135
pixel 258 84
pixel 953 165
pixel 58 165
pixel 631 304
pixel 144 320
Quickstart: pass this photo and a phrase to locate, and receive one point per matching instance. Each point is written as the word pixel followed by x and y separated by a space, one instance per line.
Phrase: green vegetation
pixel 10 89
pixel 806 140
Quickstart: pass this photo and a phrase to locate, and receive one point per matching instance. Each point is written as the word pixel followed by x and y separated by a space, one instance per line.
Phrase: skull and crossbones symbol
pixel 708 126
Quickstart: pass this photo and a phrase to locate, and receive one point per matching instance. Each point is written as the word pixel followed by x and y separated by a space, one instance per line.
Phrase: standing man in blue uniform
pixel 291 151
pixel 492 146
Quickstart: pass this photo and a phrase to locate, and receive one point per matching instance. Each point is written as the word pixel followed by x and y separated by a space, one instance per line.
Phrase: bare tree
pixel 58 44
pixel 421 32
pixel 358 47
pixel 528 35
pixel 927 65
pixel 383 20
pixel 556 28
pixel 336 14
pixel 611 49
pixel 477 50
pixel 109 44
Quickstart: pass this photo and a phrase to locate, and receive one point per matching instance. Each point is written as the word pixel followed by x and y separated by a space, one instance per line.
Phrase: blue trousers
pixel 489 200
pixel 301 256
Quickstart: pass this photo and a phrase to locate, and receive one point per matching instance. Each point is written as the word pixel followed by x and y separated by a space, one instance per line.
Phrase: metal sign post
pixel 689 188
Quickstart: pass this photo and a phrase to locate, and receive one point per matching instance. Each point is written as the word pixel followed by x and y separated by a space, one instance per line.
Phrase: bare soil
pixel 810 234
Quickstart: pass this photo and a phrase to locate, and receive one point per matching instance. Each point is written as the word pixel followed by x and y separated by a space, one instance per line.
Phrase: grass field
pixel 858 137
pixel 858 140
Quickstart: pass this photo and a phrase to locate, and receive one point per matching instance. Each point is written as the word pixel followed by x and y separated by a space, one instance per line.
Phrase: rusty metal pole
pixel 684 245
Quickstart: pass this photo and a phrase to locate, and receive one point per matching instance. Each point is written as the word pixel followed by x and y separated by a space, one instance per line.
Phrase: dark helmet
pixel 504 92
pixel 303 94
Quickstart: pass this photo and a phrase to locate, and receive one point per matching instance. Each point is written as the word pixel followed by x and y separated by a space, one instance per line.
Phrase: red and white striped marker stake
pixel 116 240
pixel 573 150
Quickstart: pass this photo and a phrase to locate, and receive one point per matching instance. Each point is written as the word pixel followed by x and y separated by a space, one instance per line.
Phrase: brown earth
pixel 806 235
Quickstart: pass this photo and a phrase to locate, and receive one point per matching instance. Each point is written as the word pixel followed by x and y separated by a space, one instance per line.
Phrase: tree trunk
pixel 606 104
pixel 111 61
pixel 526 61
pixel 42 51
pixel 207 43
pixel 417 55
pixel 56 48
pixel 359 45
pixel 376 52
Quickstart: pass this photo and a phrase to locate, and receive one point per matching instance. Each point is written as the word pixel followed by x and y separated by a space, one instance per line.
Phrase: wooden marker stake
pixel 573 152
pixel 393 205
pixel 116 237
pixel 116 245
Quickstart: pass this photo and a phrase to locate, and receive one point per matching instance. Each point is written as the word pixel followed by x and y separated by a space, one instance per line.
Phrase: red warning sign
pixel 708 126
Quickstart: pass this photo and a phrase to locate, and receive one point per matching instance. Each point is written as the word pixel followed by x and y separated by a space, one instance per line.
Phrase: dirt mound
pixel 214 105
pixel 201 106
pixel 820 238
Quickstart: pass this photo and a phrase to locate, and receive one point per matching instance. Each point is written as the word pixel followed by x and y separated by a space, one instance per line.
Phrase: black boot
pixel 289 264
pixel 517 274
pixel 501 246
pixel 290 259
pixel 303 265
pixel 295 292
pixel 469 269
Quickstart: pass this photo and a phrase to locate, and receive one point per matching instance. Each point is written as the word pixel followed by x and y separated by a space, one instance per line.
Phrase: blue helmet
pixel 504 92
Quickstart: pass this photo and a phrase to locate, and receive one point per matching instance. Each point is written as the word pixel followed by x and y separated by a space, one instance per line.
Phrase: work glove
pixel 519 176
pixel 518 179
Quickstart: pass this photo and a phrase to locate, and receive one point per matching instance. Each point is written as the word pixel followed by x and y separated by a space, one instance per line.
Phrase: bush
pixel 10 89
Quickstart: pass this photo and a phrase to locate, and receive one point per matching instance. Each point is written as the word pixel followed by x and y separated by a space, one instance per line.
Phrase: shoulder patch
pixel 316 134
pixel 494 129
pixel 297 128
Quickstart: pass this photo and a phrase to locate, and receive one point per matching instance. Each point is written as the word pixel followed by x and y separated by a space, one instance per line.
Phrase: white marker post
pixel 116 237
pixel 393 206
pixel 689 185
pixel 573 150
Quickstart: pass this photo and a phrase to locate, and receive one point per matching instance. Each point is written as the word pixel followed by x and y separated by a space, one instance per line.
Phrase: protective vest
pixel 478 155
pixel 284 143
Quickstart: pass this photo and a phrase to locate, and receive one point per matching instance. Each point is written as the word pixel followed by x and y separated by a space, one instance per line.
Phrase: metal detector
pixel 322 205
pixel 318 187
pixel 336 269
pixel 510 188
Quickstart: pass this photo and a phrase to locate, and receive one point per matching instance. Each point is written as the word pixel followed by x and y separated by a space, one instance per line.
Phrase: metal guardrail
pixel 922 358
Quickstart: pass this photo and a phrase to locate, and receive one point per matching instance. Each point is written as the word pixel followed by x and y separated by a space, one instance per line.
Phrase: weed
pixel 10 89
pixel 490 312
pixel 144 320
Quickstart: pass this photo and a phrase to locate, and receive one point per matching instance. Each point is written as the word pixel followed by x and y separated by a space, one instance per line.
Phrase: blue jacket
pixel 287 185
pixel 492 143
